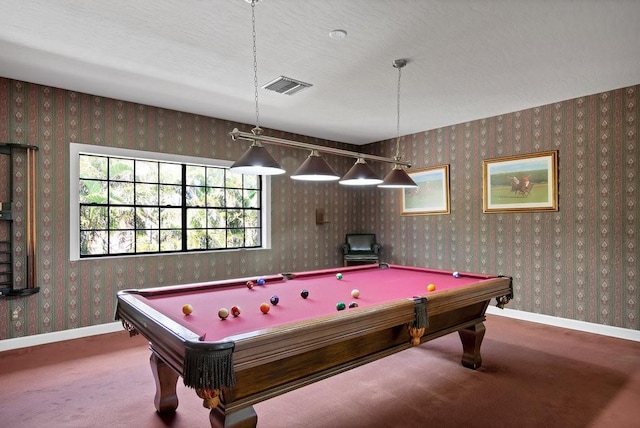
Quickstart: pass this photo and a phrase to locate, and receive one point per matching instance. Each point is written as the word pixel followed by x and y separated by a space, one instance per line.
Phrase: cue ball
pixel 187 309
pixel 274 300
pixel 431 287
pixel 338 276
pixel 260 281
pixel 355 293
pixel 456 274
pixel 250 284
pixel 223 313
pixel 235 311
pixel 340 306
pixel 264 308
pixel 304 294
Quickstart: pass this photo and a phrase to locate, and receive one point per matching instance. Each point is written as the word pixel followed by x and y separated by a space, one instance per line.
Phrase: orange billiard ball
pixel 187 309
pixel 264 307
pixel 431 287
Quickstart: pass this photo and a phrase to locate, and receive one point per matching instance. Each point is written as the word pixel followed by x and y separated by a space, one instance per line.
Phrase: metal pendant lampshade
pixel 257 161
pixel 315 168
pixel 398 179
pixel 360 174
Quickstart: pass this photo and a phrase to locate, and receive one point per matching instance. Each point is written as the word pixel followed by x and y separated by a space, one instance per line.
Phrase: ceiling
pixel 467 59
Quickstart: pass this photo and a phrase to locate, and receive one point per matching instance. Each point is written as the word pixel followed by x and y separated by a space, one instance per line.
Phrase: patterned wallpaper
pixel 577 263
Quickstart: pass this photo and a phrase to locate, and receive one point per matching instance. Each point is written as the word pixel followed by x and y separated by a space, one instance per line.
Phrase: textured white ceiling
pixel 468 59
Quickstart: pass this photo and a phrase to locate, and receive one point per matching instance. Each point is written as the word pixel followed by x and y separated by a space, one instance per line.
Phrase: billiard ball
pixel 431 287
pixel 353 305
pixel 260 281
pixel 274 300
pixel 456 274
pixel 338 276
pixel 304 294
pixel 223 313
pixel 235 311
pixel 264 307
pixel 340 306
pixel 187 309
pixel 355 293
pixel 250 284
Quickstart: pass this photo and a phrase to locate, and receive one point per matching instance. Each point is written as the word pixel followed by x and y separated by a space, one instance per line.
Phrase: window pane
pixel 93 167
pixel 215 177
pixel 215 197
pixel 146 194
pixel 170 195
pixel 252 181
pixel 93 192
pixel 196 218
pixel 121 242
pixel 170 173
pixel 120 193
pixel 235 218
pixel 170 218
pixel 252 238
pixel 196 239
pixel 217 239
pixel 92 217
pixel 251 218
pixel 196 196
pixel 235 238
pixel 196 175
pixel 251 198
pixel 234 197
pixel 146 171
pixel 120 169
pixel 216 218
pixel 170 240
pixel 233 179
pixel 147 218
pixel 147 241
pixel 121 218
pixel 93 243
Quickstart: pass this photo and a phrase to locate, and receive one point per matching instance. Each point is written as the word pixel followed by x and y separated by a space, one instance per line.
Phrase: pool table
pixel 236 362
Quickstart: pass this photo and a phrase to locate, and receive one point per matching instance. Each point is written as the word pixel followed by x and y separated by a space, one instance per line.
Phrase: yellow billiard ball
pixel 187 309
pixel 431 287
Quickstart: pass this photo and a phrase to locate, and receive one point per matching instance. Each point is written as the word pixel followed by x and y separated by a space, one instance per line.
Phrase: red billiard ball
pixel 250 284
pixel 264 307
pixel 235 311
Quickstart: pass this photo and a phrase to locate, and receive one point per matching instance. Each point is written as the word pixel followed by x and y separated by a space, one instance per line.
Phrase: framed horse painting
pixel 520 183
pixel 432 194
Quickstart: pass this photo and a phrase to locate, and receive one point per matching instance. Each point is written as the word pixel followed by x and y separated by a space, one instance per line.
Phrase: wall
pixel 578 263
pixel 82 293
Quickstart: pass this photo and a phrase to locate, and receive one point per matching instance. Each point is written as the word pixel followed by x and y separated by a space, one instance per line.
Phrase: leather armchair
pixel 360 248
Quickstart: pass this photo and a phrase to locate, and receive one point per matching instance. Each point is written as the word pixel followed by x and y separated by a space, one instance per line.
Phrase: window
pixel 126 202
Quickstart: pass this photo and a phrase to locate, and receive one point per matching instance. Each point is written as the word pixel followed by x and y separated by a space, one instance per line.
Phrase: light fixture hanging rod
pixel 239 135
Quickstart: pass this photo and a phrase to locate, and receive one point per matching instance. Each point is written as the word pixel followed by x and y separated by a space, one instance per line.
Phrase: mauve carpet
pixel 532 376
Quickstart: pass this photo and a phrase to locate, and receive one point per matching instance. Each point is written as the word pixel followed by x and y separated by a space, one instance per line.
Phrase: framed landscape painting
pixel 521 183
pixel 432 194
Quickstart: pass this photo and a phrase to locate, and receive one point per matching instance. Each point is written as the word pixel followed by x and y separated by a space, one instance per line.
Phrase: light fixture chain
pixel 398 121
pixel 255 61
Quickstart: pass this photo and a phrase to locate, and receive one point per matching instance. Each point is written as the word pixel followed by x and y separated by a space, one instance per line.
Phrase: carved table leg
pixel 471 338
pixel 166 399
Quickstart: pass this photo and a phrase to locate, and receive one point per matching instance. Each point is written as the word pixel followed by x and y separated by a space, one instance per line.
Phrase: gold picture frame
pixel 522 183
pixel 432 194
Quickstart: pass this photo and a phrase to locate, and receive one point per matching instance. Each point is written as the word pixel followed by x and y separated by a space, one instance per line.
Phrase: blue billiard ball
pixel 456 274
pixel 260 281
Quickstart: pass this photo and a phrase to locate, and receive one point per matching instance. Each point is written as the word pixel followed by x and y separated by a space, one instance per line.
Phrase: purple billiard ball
pixel 274 300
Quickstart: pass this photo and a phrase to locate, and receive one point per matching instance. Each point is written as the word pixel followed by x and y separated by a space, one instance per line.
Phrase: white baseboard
pixel 59 336
pixel 587 327
pixel 76 333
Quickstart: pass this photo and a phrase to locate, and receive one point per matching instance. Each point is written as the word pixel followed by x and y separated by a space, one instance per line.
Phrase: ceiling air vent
pixel 286 85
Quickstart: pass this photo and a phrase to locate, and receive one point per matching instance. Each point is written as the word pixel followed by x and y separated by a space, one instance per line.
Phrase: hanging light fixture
pixel 360 174
pixel 398 177
pixel 256 160
pixel 315 168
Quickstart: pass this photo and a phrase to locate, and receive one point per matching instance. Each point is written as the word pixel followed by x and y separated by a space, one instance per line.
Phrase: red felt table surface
pixel 376 286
